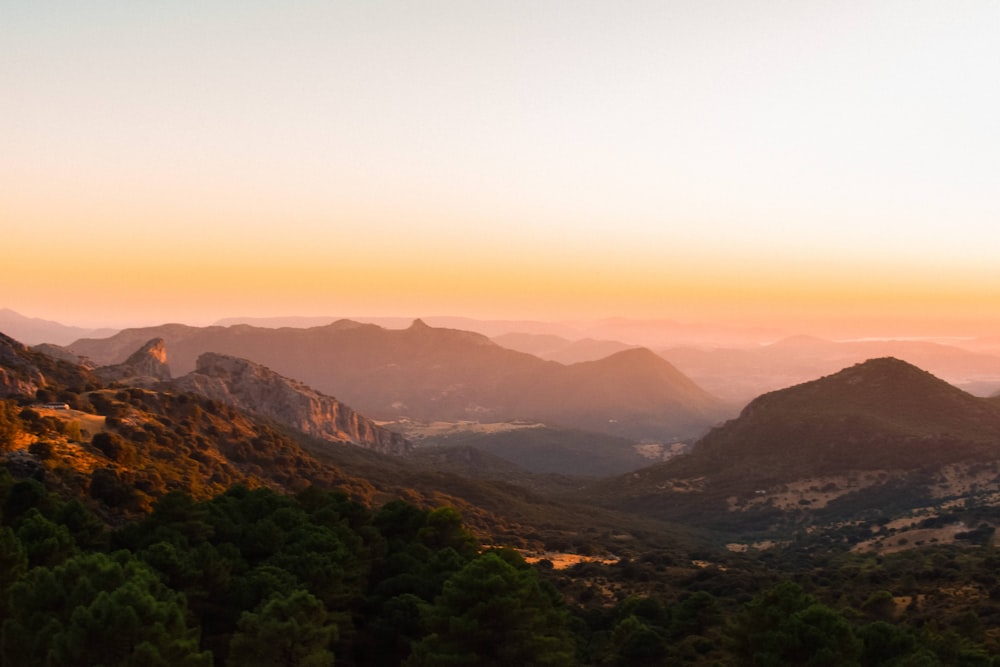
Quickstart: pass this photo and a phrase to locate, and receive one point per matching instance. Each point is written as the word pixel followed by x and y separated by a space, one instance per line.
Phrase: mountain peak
pixel 883 413
pixel 145 365
pixel 887 374
pixel 419 324
pixel 636 355
pixel 154 349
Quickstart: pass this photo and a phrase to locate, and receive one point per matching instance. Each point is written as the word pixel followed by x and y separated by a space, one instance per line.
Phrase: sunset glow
pixel 826 168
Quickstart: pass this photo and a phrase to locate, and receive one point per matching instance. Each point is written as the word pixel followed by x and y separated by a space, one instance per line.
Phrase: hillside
pixel 542 449
pixel 882 424
pixel 881 413
pixel 630 393
pixel 432 374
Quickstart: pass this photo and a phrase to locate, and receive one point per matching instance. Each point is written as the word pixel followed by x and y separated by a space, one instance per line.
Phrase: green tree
pixel 787 626
pixel 288 631
pixel 493 612
pixel 444 529
pixel 96 609
pixel 114 447
pixel 46 543
pixel 13 563
pixel 638 643
pixel 885 644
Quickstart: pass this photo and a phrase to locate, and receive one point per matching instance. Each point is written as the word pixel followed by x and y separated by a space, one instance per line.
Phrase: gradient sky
pixel 771 162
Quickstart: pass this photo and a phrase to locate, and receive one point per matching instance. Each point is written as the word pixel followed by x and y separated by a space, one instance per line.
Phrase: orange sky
pixel 821 167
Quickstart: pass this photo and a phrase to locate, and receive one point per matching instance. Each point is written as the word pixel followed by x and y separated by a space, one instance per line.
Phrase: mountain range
pixel 742 374
pixel 427 373
pixel 734 364
pixel 35 330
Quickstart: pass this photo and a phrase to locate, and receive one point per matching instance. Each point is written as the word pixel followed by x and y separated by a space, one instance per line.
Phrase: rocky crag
pixel 145 366
pixel 18 376
pixel 255 388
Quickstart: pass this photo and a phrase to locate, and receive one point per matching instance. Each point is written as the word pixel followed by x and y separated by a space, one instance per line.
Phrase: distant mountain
pixel 557 348
pixel 33 330
pixel 883 413
pixel 632 332
pixel 668 333
pixel 879 423
pixel 742 374
pixel 485 327
pixel 631 392
pixel 427 373
pixel 256 389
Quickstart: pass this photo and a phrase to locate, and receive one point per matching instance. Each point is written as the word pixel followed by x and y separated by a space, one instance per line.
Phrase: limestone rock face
pixel 147 365
pixel 257 389
pixel 18 376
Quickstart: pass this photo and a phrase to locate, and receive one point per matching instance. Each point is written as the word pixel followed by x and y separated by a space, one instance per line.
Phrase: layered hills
pixel 428 373
pixel 745 373
pixel 35 330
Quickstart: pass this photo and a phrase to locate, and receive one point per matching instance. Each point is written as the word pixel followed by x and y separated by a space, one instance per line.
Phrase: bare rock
pixel 257 389
pixel 147 365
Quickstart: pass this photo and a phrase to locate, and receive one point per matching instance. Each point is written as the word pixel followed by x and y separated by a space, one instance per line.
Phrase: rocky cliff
pixel 256 388
pixel 18 376
pixel 147 365
pixel 23 371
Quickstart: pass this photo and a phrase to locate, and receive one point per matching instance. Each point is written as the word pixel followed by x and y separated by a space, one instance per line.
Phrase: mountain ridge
pixel 429 373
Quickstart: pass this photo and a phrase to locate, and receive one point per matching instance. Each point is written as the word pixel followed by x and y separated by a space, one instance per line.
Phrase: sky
pixel 791 164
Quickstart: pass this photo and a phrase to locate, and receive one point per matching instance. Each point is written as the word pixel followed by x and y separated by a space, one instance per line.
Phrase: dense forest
pixel 255 577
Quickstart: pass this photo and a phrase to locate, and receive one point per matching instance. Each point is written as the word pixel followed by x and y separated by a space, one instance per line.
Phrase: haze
pixel 820 167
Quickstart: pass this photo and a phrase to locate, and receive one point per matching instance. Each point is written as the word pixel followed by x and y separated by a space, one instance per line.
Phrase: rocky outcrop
pixel 257 389
pixel 18 376
pixel 147 365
